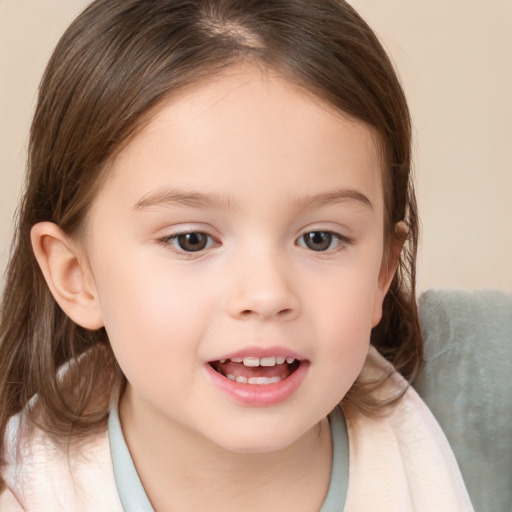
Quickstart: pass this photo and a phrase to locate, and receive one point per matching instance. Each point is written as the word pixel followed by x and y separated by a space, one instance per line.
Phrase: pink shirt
pixel 400 462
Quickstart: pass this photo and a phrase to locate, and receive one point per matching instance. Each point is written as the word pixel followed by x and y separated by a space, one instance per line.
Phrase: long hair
pixel 112 68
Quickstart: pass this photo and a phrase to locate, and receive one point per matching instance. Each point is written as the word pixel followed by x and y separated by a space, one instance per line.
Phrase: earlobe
pixel 388 270
pixel 66 274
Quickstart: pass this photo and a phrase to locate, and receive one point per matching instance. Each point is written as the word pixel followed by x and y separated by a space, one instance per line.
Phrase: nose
pixel 261 288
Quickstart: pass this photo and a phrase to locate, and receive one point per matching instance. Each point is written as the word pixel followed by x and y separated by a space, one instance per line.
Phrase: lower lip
pixel 259 395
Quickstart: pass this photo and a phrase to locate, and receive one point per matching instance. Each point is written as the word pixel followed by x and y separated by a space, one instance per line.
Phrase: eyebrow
pixel 333 197
pixel 191 199
pixel 175 197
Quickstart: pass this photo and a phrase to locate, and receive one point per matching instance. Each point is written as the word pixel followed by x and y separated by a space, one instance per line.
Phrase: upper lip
pixel 255 351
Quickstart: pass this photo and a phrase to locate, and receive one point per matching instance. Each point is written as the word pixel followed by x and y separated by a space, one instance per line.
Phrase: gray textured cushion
pixel 467 383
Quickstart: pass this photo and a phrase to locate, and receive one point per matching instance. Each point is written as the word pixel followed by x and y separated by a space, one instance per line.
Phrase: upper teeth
pixel 260 361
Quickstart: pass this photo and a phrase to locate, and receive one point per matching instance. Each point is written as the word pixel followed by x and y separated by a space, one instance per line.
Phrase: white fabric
pixel 400 462
pixel 43 477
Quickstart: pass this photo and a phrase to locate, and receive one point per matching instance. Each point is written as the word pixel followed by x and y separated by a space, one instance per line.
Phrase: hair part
pixel 116 63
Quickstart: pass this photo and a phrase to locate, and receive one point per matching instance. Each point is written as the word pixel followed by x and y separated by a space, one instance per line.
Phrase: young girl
pixel 211 289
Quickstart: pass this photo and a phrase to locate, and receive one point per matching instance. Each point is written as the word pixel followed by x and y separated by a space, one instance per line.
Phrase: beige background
pixel 455 60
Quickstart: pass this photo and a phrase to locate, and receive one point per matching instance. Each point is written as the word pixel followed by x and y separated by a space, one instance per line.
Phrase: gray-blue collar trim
pixel 337 492
pixel 129 487
pixel 134 499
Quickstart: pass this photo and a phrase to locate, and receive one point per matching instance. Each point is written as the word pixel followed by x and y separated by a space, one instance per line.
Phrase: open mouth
pixel 256 370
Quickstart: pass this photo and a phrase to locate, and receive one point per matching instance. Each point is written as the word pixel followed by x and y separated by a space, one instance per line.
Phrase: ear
pixel 67 274
pixel 388 269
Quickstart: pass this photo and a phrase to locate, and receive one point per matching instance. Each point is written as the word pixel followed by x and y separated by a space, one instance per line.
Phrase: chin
pixel 261 440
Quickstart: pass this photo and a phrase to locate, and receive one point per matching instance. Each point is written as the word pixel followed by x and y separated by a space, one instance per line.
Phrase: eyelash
pixel 169 242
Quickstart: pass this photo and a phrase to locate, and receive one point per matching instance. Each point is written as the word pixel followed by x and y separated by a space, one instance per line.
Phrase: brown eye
pixel 318 240
pixel 322 241
pixel 191 242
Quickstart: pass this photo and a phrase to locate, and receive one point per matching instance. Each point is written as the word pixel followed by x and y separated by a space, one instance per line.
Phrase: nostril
pixel 283 313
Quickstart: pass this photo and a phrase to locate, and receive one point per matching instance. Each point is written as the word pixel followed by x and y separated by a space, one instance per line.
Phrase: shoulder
pixel 42 474
pixel 400 460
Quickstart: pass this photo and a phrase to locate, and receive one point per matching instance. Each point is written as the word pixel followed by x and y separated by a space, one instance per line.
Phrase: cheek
pixel 152 316
pixel 343 312
pixel 344 300
pixel 346 325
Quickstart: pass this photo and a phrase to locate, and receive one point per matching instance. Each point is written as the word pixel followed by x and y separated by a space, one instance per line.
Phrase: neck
pixel 181 470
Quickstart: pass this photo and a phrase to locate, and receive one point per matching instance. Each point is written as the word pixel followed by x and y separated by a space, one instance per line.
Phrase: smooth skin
pixel 251 164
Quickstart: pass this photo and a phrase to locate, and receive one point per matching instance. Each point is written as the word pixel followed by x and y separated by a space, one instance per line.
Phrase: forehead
pixel 248 127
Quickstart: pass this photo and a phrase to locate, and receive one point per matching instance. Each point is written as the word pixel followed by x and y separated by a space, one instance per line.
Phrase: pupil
pixel 192 241
pixel 318 240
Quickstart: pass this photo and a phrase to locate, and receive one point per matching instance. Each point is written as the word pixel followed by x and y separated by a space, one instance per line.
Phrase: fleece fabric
pixel 466 384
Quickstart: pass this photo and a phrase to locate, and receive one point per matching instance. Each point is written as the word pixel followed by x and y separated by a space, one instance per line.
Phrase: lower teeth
pixel 254 380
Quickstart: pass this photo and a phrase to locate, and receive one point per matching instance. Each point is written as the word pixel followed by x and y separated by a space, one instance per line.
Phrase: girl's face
pixel 241 230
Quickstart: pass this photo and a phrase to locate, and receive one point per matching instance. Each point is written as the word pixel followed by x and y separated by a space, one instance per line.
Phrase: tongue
pixel 239 370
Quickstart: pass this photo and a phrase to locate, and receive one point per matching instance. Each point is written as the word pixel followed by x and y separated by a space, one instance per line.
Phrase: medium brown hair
pixel 111 69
